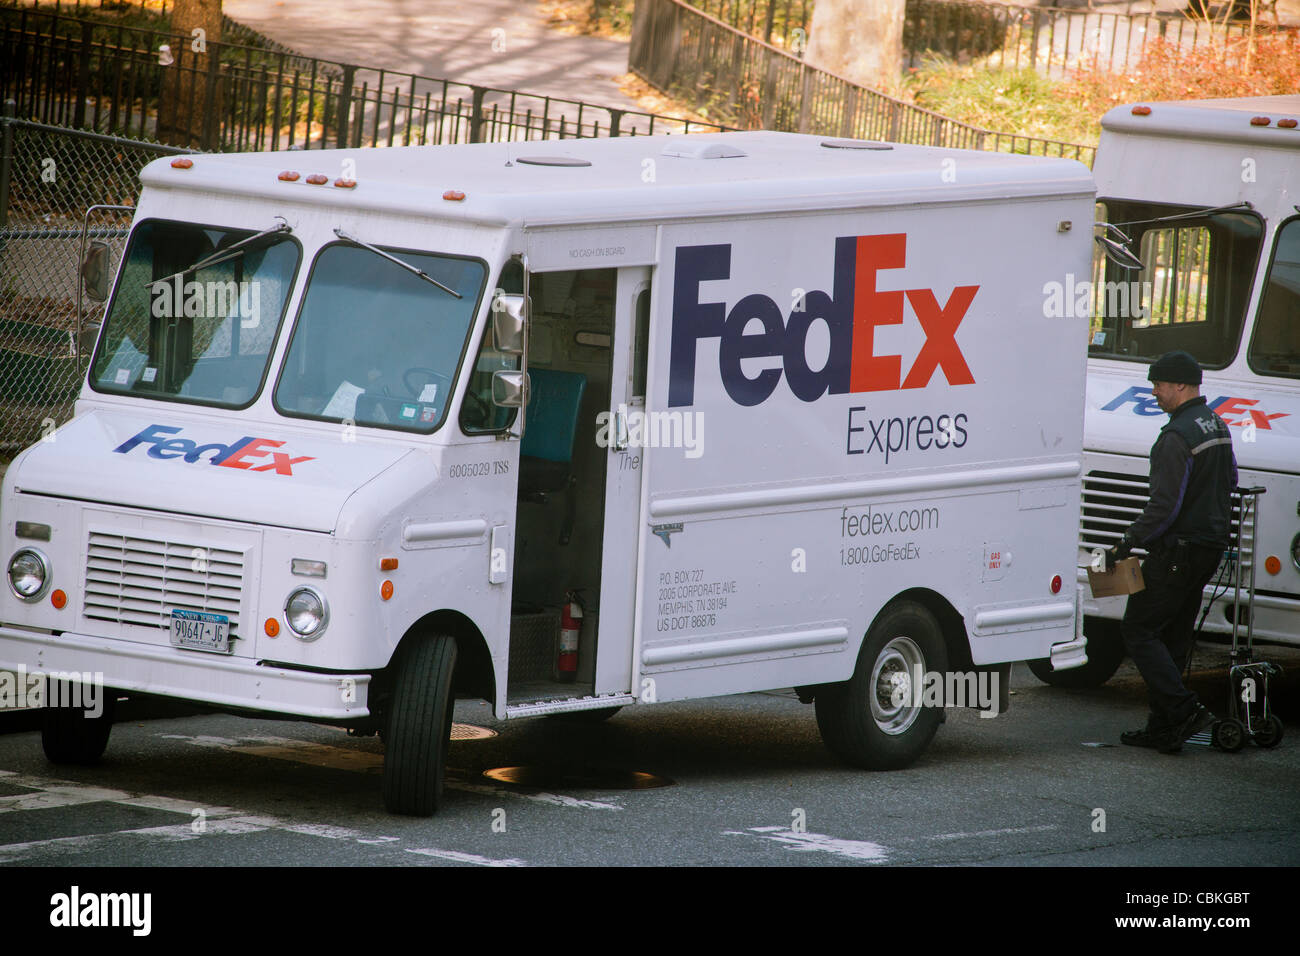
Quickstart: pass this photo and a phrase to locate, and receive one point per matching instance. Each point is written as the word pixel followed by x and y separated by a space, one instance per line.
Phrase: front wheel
pixel 878 720
pixel 75 727
pixel 418 726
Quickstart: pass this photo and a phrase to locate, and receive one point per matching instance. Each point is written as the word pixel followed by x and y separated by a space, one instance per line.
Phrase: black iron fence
pixel 749 83
pixel 77 72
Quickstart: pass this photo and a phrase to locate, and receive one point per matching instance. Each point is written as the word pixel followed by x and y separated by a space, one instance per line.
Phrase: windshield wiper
pixel 1194 214
pixel 228 253
pixel 405 265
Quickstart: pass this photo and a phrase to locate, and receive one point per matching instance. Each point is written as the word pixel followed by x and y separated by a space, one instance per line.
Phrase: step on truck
pixel 1204 197
pixel 567 426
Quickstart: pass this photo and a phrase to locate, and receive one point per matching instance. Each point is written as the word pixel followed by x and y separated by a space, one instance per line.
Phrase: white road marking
pixel 459 857
pixel 343 758
pixel 817 842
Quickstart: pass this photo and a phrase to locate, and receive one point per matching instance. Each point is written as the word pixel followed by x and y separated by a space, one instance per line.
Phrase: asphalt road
pixel 751 785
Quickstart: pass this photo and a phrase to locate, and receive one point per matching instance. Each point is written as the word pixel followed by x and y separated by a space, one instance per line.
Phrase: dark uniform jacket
pixel 1193 473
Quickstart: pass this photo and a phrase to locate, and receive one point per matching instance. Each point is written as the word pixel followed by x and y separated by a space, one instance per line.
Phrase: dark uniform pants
pixel 1159 622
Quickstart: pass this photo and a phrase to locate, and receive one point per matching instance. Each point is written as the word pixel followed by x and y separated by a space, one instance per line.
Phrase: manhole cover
pixel 470 732
pixel 589 778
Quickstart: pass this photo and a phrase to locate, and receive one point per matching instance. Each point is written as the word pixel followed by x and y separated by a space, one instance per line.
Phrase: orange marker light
pixel 182 163
pixel 1272 564
pixel 316 179
pixel 387 564
pixel 1287 123
pixel 1141 111
pixel 59 599
pixel 1260 121
pixel 288 176
pixel 386 590
pixel 272 627
pixel 345 183
pixel 453 195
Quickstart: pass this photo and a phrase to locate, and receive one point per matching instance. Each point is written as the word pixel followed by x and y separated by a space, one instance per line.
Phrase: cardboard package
pixel 1124 578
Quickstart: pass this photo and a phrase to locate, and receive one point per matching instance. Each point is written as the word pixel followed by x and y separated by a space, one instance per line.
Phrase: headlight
pixel 29 574
pixel 306 613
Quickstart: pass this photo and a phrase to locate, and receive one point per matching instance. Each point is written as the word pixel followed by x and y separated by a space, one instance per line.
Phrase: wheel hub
pixel 895 701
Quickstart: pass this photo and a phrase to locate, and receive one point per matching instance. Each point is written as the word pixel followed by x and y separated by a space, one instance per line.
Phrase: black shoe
pixel 1145 738
pixel 1199 719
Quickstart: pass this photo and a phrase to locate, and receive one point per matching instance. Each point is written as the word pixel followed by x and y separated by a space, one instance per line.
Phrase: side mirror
pixel 509 389
pixel 509 313
pixel 94 270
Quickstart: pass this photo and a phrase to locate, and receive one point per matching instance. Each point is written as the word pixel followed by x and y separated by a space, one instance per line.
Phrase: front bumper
pixel 235 683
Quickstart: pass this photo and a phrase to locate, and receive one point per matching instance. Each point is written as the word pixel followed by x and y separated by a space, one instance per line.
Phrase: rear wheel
pixel 76 735
pixel 418 726
pixel 876 720
pixel 1270 735
pixel 1105 654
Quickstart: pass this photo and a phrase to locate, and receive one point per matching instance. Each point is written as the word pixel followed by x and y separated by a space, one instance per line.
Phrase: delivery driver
pixel 1184 529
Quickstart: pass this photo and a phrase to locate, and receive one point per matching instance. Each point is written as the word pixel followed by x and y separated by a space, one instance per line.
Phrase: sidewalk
pixel 448 39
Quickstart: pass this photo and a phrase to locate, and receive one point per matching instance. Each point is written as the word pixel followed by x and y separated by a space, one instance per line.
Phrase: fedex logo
pixel 853 312
pixel 1233 411
pixel 240 454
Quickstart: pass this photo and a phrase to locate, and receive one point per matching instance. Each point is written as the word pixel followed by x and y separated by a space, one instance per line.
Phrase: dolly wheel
pixel 1228 734
pixel 1270 735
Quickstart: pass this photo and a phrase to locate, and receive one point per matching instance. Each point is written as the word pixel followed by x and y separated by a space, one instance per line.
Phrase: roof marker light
pixel 182 163
pixel 1141 111
pixel 317 179
pixel 345 183
pixel 1260 121
pixel 288 176
pixel 453 195
pixel 1287 123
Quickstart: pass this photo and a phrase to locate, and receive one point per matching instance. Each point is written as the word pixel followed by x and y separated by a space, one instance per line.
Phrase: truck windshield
pixel 1275 348
pixel 204 336
pixel 376 344
pixel 1191 293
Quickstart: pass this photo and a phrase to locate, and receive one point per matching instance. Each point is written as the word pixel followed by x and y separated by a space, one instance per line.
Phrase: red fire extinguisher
pixel 570 629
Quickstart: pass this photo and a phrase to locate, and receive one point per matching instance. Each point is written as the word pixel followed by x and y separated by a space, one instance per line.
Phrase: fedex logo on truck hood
pixel 1241 412
pixel 852 312
pixel 243 453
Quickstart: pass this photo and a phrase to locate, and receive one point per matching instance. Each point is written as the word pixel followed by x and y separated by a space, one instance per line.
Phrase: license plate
pixel 201 632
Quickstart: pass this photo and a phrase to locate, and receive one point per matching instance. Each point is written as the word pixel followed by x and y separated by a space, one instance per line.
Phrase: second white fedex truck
pixel 1205 196
pixel 773 410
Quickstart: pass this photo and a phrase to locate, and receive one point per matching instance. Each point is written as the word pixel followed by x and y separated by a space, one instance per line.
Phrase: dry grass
pixel 577 17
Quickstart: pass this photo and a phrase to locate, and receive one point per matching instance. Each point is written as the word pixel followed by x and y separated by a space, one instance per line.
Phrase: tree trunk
pixel 860 40
pixel 184 111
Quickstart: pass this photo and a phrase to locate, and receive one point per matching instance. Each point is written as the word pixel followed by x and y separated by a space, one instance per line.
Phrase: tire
pixel 860 720
pixel 418 727
pixel 1270 735
pixel 69 735
pixel 597 716
pixel 1228 734
pixel 1105 654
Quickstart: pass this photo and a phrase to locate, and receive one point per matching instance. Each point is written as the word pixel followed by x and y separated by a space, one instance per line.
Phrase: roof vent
pixel 553 161
pixel 685 149
pixel 855 144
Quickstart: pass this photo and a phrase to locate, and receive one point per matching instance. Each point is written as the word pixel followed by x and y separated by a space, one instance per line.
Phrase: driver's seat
pixel 550 429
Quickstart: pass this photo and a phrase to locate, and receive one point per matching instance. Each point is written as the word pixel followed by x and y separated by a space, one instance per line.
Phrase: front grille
pixel 1112 501
pixel 137 580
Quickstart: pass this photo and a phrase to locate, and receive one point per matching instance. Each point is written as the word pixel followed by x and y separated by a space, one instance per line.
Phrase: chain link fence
pixel 49 178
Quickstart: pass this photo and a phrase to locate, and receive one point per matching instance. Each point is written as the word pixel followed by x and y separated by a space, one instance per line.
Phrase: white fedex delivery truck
pixel 1205 195
pixel 773 411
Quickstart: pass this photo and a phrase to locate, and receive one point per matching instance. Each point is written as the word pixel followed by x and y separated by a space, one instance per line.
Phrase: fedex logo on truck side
pixel 852 312
pixel 238 454
pixel 1226 406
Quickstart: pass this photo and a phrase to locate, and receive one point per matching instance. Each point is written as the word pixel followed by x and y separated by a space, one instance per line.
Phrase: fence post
pixel 83 75
pixel 6 158
pixel 210 114
pixel 345 103
pixel 476 115
pixel 614 117
pixel 805 104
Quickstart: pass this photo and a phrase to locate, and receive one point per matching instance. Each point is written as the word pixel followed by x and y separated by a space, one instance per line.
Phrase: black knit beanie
pixel 1177 367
